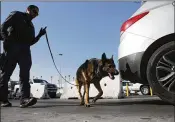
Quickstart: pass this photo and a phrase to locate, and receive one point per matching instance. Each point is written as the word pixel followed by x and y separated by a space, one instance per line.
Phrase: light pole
pixel 60 79
pixel 65 83
pixel 59 84
pixel 51 79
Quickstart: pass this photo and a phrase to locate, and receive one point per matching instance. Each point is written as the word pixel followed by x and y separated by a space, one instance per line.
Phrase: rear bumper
pixel 129 67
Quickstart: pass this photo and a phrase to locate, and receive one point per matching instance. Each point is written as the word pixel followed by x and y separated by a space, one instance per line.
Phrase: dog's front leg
pixel 87 86
pixel 98 87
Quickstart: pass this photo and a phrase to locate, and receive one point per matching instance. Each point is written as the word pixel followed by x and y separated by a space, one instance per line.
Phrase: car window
pixel 45 81
pixel 38 81
pixel 129 84
pixel 124 83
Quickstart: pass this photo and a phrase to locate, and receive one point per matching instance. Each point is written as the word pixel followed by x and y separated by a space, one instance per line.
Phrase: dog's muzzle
pixel 111 76
pixel 113 73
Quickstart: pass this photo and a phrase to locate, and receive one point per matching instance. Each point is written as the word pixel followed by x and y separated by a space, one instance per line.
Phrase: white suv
pixel 146 53
pixel 35 83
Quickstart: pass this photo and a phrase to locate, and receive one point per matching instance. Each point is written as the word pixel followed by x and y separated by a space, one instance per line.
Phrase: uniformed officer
pixel 18 35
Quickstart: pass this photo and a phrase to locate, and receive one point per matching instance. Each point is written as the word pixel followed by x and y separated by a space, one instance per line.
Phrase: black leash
pixel 54 62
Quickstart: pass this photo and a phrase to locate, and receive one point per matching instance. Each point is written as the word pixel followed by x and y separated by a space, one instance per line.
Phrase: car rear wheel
pixel 161 72
pixel 52 94
pixel 145 90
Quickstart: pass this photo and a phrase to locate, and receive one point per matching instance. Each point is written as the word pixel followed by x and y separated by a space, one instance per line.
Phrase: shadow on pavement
pixel 57 103
pixel 153 102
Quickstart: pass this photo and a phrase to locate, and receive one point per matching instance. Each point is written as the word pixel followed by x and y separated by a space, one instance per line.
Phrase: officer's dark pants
pixel 16 54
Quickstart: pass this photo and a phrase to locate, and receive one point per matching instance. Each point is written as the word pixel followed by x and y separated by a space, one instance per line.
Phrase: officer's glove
pixel 42 32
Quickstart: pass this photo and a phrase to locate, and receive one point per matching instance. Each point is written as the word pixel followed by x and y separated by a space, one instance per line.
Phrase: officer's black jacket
pixel 19 29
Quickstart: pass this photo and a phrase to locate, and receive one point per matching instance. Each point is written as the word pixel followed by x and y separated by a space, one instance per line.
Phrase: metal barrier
pixel 151 91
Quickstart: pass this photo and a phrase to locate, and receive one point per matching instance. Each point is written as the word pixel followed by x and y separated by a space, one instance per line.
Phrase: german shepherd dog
pixel 92 71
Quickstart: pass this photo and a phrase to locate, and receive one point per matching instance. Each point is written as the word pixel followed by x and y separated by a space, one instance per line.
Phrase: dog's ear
pixel 103 57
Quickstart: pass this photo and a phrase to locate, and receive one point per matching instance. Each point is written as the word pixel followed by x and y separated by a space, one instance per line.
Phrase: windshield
pixel 45 81
pixel 38 81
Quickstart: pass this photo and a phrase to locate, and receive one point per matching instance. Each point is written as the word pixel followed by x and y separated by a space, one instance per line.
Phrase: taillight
pixel 131 21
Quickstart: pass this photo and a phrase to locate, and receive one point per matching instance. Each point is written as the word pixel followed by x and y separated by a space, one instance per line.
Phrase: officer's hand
pixel 42 31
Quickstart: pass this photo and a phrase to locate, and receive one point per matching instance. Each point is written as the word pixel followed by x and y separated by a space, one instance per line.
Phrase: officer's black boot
pixel 27 102
pixel 6 104
pixel 4 97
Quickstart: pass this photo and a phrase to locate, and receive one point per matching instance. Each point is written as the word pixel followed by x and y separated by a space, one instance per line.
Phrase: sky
pixel 78 30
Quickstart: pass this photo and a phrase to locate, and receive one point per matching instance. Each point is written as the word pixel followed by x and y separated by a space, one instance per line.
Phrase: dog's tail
pixel 76 82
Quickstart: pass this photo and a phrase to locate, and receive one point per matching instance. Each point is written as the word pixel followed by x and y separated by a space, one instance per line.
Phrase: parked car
pixel 51 88
pixel 11 86
pixel 135 88
pixel 147 48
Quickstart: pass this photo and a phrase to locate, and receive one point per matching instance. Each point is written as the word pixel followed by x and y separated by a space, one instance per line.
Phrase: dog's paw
pixel 87 105
pixel 93 100
pixel 82 103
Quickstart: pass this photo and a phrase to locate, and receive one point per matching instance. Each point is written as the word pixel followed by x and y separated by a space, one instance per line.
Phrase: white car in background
pixel 146 53
pixel 136 88
pixel 40 83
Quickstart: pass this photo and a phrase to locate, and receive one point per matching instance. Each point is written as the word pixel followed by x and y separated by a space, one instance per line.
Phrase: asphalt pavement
pixel 131 109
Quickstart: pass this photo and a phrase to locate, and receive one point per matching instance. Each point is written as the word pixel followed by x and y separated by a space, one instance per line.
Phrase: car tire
pixel 158 69
pixel 52 94
pixel 145 90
